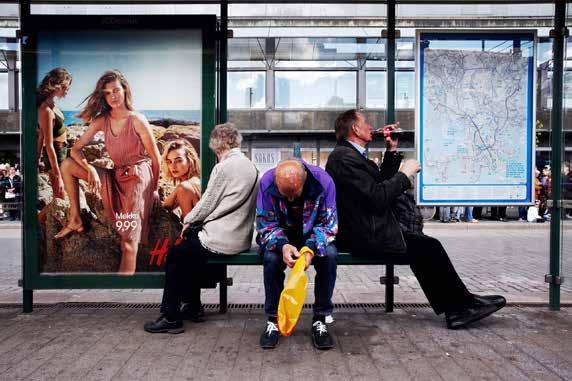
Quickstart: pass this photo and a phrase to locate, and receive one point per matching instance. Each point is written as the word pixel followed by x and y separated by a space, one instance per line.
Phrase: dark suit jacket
pixel 365 195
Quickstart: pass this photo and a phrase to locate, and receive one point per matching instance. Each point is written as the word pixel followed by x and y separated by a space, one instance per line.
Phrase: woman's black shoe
pixel 162 325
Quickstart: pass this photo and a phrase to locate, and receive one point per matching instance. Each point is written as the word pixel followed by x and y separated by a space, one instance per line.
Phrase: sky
pixel 162 67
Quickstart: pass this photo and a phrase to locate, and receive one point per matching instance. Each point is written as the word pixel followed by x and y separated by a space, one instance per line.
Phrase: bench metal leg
pixel 223 295
pixel 389 275
pixel 28 301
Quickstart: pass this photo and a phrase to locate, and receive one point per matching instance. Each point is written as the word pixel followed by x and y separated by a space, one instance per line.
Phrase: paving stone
pixel 518 343
pixel 412 343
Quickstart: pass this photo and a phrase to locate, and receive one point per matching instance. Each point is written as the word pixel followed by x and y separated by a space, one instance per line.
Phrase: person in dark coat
pixel 366 196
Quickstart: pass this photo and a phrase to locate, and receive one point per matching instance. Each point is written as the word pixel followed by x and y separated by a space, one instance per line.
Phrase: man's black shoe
pixel 270 336
pixel 162 325
pixel 472 314
pixel 320 336
pixel 497 300
pixel 192 313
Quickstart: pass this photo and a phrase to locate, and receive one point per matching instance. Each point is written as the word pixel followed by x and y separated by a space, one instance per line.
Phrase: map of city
pixel 475 126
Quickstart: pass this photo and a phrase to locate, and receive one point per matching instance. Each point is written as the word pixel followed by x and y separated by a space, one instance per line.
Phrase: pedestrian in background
pixel 468 215
pixel 13 184
pixel 566 188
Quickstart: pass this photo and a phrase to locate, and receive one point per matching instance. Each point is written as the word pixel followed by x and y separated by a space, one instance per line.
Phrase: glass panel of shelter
pixel 252 73
pixel 312 80
pixel 314 54
pixel 524 253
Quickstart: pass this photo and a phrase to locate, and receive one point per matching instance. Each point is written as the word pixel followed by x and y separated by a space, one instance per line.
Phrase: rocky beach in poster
pixel 97 250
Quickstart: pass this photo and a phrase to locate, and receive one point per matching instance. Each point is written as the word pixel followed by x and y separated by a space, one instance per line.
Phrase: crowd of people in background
pixel 10 192
pixel 539 212
pixel 11 185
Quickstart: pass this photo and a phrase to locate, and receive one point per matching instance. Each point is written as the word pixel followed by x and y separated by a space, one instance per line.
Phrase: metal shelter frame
pixel 558 33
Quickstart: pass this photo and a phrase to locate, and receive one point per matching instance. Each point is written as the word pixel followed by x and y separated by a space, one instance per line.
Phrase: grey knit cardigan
pixel 230 182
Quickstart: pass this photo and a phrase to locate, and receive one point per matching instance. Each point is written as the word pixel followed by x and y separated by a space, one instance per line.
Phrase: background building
pixel 292 69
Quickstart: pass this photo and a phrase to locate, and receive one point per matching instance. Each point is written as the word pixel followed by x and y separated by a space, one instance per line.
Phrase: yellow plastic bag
pixel 292 298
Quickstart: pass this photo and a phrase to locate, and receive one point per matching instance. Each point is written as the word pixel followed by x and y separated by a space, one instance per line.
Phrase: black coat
pixel 365 196
pixel 408 214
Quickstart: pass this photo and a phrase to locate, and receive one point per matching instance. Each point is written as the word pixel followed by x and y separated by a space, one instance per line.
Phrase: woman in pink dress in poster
pixel 129 190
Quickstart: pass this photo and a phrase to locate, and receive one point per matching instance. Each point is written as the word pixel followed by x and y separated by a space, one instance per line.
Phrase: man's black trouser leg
pixel 186 263
pixel 438 278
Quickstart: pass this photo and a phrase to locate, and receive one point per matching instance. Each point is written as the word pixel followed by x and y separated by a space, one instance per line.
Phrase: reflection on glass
pixel 246 65
pixel 316 64
pixel 308 10
pixel 375 89
pixel 376 64
pixel 444 11
pixel 315 89
pixel 246 90
pixel 544 79
pixel 318 49
pixel 246 49
pixel 404 89
pixel 566 190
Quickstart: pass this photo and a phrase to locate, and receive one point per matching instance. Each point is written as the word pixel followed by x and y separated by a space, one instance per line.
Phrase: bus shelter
pixel 195 64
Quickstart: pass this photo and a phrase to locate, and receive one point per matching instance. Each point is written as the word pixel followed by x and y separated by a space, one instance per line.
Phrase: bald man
pixel 296 215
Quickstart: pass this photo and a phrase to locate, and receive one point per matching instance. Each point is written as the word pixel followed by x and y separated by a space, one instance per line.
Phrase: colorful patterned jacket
pixel 320 218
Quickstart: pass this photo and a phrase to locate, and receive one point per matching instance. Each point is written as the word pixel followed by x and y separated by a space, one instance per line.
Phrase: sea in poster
pixel 186 116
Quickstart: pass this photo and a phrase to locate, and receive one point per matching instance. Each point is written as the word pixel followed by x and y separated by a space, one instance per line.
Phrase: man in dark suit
pixel 366 195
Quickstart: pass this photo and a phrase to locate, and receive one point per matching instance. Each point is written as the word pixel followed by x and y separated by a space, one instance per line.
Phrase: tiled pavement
pixel 59 343
pixel 66 341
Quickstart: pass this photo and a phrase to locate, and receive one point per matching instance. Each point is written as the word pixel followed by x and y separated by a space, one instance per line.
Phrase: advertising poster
pixel 119 114
pixel 475 117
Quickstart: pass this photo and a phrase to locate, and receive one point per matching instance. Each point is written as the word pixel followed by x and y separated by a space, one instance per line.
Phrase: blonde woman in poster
pixel 52 131
pixel 129 190
pixel 181 165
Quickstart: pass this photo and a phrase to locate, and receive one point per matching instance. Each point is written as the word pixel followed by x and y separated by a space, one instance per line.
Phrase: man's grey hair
pixel 224 137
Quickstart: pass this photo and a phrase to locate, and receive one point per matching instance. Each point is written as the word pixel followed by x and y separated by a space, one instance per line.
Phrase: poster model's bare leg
pixel 71 172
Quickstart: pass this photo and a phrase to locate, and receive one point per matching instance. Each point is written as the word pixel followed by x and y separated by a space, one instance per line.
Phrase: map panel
pixel 475 125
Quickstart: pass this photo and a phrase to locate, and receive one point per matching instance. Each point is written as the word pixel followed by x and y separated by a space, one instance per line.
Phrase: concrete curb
pixel 492 225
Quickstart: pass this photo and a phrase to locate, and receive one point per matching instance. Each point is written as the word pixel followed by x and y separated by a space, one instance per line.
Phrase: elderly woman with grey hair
pixel 221 223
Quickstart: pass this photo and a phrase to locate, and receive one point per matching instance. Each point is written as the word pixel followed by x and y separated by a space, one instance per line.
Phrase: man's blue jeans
pixel 324 282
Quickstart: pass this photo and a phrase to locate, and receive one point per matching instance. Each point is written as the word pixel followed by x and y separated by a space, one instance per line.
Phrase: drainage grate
pixel 238 306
